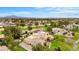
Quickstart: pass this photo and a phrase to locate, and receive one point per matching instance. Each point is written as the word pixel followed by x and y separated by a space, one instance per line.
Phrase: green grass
pixel 1 28
pixel 78 47
pixel 76 37
pixel 33 27
pixel 18 48
pixel 1 32
pixel 59 42
pixel 23 27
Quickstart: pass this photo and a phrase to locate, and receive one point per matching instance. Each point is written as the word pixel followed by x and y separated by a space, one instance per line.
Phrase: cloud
pixel 4 14
pixel 21 12
pixel 44 8
pixel 65 11
pixel 39 7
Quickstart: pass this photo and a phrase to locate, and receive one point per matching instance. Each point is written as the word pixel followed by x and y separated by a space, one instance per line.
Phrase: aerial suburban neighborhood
pixel 39 33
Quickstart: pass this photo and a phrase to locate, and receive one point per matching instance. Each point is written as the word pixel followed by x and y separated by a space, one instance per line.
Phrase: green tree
pixel 36 24
pixel 29 28
pixel 49 28
pixel 2 42
pixel 53 24
pixel 12 33
pixel 22 22
pixel 15 32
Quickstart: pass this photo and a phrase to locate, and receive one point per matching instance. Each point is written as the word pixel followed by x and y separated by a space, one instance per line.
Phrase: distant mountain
pixel 11 16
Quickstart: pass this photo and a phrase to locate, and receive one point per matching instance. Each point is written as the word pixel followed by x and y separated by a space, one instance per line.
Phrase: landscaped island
pixel 39 34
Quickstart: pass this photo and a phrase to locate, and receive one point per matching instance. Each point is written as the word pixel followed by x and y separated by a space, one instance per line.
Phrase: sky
pixel 52 12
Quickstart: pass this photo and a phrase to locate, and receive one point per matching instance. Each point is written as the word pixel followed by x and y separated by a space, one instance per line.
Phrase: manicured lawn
pixel 1 32
pixel 60 43
pixel 76 37
pixel 77 47
pixel 34 27
pixel 23 28
pixel 63 46
pixel 18 48
pixel 1 29
pixel 26 28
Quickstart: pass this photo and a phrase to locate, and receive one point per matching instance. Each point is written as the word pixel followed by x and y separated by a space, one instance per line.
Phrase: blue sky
pixel 40 11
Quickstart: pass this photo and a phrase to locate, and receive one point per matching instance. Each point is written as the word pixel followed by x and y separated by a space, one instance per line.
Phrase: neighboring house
pixel 70 35
pixel 40 37
pixel 69 27
pixel 72 26
pixel 59 31
pixel 1 24
pixel 4 48
pixel 6 24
